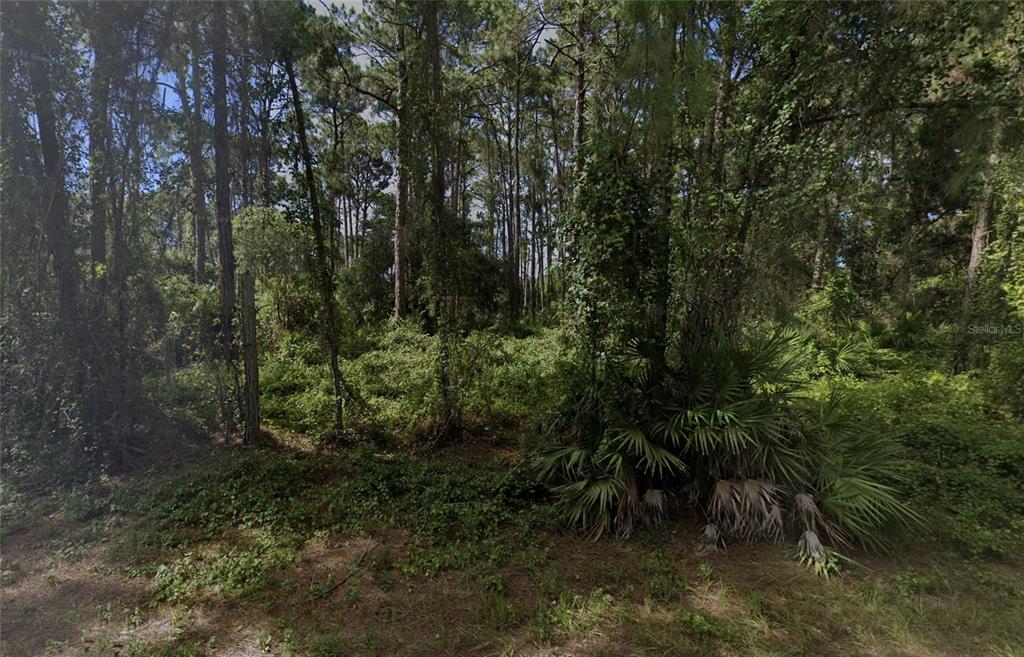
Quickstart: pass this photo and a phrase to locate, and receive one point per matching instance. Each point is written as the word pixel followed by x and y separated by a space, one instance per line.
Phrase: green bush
pixel 506 382
pixel 187 394
pixel 833 303
pixel 396 379
pixel 1003 379
pixel 729 422
pixel 521 381
pixel 295 386
pixel 967 465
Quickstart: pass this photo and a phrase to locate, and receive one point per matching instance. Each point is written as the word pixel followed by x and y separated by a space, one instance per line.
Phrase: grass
pixel 359 553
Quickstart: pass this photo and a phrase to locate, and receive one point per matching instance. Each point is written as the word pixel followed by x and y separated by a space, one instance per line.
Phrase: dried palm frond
pixel 806 511
pixel 654 506
pixel 772 527
pixel 756 499
pixel 630 510
pixel 711 540
pixel 725 506
pixel 748 508
pixel 811 552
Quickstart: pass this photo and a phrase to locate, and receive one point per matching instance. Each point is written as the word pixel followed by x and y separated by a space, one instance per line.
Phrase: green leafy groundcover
pixel 457 515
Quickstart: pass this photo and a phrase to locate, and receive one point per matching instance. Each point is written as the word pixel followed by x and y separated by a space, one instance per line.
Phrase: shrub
pixel 729 422
pixel 505 382
pixel 295 386
pixel 187 394
pixel 1003 380
pixel 521 380
pixel 396 379
pixel 967 458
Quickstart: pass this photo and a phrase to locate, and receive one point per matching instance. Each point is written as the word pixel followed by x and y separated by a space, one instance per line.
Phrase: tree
pixel 441 261
pixel 221 156
pixel 401 167
pixel 323 272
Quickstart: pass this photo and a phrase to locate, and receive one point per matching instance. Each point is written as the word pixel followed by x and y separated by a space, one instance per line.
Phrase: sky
pixel 351 4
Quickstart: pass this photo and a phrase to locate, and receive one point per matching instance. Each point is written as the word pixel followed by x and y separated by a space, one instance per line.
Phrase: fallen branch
pixel 351 571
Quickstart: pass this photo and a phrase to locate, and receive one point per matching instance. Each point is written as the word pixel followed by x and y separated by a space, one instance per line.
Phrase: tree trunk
pixel 247 294
pixel 221 161
pixel 401 155
pixel 451 417
pixel 99 135
pixel 55 217
pixel 580 90
pixel 716 151
pixel 325 280
pixel 131 180
pixel 514 289
pixel 979 240
pixel 979 236
pixel 244 73
pixel 825 221
pixel 196 158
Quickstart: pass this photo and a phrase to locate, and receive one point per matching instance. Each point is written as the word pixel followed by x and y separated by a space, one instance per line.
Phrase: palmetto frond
pixel 730 424
pixel 650 457
pixel 588 503
pixel 811 552
pixel 749 508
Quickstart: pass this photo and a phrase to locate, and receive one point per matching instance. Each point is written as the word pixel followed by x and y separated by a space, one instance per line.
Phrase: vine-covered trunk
pixel 322 273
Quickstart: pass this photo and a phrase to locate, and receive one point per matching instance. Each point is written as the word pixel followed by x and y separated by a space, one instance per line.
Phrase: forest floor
pixel 275 551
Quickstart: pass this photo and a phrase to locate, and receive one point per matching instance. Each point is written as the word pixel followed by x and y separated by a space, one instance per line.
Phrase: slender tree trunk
pixel 514 288
pixel 401 155
pixel 451 420
pixel 130 186
pixel 266 99
pixel 979 240
pixel 244 74
pixel 716 151
pixel 334 233
pixel 196 159
pixel 221 159
pixel 533 255
pixel 325 280
pixel 491 202
pixel 979 236
pixel 247 294
pixel 821 245
pixel 511 248
pixel 56 226
pixel 264 155
pixel 346 204
pixel 580 92
pixel 99 134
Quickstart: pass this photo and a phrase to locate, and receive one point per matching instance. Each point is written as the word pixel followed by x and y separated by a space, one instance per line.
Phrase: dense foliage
pixel 759 260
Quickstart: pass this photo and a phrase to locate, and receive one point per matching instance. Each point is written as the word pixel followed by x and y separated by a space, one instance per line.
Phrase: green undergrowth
pixel 505 382
pixel 265 504
pixel 966 455
pixel 465 562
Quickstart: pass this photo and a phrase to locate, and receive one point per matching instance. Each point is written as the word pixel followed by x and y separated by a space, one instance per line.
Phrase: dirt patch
pixel 56 597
